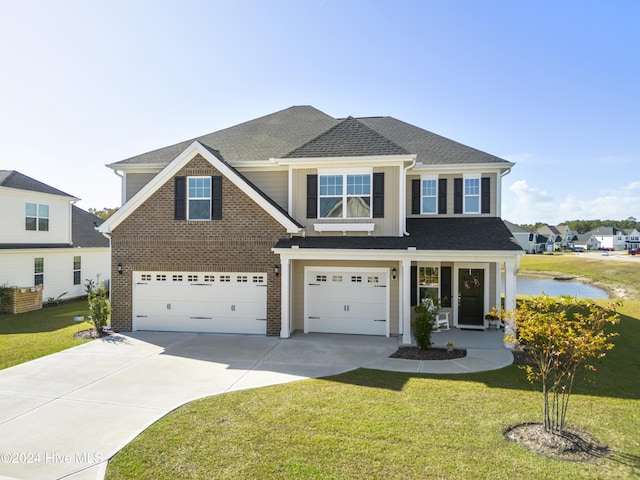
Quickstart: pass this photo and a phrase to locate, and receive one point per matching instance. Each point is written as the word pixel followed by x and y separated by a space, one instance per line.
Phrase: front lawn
pixel 30 335
pixel 374 424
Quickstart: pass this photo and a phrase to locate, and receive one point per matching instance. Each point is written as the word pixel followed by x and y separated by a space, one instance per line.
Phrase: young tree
pixel 560 335
pixel 99 305
pixel 426 313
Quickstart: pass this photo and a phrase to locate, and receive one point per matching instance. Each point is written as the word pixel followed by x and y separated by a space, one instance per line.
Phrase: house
pixel 559 237
pixel 47 240
pixel 612 238
pixel 298 221
pixel 529 241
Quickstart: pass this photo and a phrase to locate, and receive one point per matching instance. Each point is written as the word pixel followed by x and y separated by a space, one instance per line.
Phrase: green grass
pixel 30 335
pixel 375 424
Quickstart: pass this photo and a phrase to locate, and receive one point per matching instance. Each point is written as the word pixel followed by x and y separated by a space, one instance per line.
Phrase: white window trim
pixel 466 177
pixel 422 179
pixel 344 173
pixel 431 265
pixel 199 198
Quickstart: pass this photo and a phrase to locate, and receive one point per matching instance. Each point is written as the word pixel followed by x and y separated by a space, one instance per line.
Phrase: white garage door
pixel 200 302
pixel 346 301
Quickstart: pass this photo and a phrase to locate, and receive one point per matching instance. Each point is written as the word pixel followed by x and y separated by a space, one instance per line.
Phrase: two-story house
pixel 46 240
pixel 298 221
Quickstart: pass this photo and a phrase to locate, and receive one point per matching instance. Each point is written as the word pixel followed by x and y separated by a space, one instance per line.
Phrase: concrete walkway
pixel 65 415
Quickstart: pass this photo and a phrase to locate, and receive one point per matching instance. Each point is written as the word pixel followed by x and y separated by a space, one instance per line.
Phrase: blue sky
pixel 550 85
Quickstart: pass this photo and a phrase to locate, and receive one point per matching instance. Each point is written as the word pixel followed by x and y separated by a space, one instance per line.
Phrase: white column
pixel 510 300
pixel 498 284
pixel 406 301
pixel 285 290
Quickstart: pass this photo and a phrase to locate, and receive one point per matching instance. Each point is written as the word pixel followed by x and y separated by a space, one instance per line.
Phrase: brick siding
pixel 149 239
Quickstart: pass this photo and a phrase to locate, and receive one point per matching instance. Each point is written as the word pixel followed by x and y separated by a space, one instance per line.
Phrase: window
pixel 199 198
pixel 429 195
pixel 77 264
pixel 352 190
pixel 428 282
pixel 37 217
pixel 38 269
pixel 472 195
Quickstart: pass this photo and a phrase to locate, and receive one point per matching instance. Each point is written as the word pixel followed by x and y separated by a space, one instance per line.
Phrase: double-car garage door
pixel 200 302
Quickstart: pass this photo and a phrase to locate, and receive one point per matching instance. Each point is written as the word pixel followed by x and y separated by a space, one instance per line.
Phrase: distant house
pixel 607 238
pixel 46 240
pixel 559 237
pixel 530 241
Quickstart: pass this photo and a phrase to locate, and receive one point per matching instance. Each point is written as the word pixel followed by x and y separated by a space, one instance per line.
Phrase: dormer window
pixel 345 195
pixel 37 217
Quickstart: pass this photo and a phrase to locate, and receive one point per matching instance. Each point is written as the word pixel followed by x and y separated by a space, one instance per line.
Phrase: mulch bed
pixel 414 353
pixel 572 445
pixel 92 333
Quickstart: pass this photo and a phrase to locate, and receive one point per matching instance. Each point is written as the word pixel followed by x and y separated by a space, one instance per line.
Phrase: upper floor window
pixel 345 195
pixel 199 198
pixel 472 194
pixel 37 217
pixel 429 195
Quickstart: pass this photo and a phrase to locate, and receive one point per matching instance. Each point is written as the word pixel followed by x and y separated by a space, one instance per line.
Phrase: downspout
pixel 123 189
pixel 499 206
pixel 403 197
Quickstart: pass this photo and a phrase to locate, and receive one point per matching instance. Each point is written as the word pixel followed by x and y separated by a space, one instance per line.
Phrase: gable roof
pixel 212 156
pixel 349 138
pixel 19 181
pixel 513 228
pixel 607 231
pixel 84 231
pixel 304 131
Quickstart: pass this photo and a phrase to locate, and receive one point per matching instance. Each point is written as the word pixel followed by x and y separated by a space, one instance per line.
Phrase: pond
pixel 534 285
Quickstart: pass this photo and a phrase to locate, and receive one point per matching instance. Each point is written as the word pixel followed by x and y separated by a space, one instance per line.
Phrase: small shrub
pixel 99 305
pixel 423 325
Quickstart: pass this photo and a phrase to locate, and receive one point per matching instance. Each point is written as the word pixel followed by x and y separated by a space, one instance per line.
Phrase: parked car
pixel 633 251
pixel 577 249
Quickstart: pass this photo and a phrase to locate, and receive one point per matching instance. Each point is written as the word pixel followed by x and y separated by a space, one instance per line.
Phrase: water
pixel 534 285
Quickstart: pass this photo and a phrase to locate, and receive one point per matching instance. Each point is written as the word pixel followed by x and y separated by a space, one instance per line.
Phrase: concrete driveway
pixel 65 415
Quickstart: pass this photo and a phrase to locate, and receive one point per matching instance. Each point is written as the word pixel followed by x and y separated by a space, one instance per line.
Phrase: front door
pixel 470 297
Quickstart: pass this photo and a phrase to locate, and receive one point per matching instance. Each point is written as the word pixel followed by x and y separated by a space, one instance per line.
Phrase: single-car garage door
pixel 200 302
pixel 346 301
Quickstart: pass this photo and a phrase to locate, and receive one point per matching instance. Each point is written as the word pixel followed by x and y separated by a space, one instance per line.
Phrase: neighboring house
pixel 633 240
pixel 298 221
pixel 559 237
pixel 46 240
pixel 528 240
pixel 610 238
pixel 585 241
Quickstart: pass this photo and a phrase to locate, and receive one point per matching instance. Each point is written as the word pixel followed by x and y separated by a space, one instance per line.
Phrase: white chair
pixel 442 320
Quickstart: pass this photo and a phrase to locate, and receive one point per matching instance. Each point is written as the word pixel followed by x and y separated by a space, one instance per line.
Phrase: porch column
pixel 510 300
pixel 405 299
pixel 285 286
pixel 498 285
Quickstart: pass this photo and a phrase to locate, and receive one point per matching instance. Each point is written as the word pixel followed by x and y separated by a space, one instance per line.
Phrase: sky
pixel 550 85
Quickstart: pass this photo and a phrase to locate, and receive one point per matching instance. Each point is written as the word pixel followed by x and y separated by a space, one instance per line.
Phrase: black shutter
pixel 216 198
pixel 415 197
pixel 445 286
pixel 378 195
pixel 457 195
pixel 442 195
pixel 485 194
pixel 180 198
pixel 414 286
pixel 312 196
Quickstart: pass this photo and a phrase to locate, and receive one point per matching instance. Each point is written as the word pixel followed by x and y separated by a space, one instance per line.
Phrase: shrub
pixel 99 305
pixel 423 325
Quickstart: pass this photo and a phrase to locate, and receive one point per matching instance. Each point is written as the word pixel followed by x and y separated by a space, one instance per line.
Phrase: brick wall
pixel 151 240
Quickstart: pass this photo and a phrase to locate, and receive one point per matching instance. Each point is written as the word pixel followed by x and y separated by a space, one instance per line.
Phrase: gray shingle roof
pixel 469 234
pixel 84 232
pixel 271 136
pixel 304 131
pixel 19 181
pixel 348 138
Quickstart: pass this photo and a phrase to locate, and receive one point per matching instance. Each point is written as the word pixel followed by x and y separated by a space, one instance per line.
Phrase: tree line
pixel 584 226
